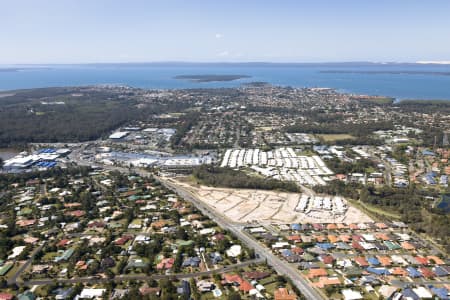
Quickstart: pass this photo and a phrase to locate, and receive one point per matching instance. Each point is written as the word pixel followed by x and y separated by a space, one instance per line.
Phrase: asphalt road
pixel 142 277
pixel 281 266
pixel 13 279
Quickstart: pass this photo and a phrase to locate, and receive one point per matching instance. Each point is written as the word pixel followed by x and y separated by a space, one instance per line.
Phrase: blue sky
pixel 86 31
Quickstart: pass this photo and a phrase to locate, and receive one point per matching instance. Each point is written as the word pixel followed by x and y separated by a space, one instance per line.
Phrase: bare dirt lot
pixel 241 205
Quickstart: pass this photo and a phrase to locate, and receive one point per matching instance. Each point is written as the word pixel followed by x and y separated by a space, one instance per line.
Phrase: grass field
pixel 334 137
pixel 264 128
pixel 371 210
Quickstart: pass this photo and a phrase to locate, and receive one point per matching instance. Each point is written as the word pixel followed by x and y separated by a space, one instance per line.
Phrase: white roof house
pixel 118 135
pixel 234 251
pixel 91 293
pixel 423 293
pixel 16 252
pixel 351 295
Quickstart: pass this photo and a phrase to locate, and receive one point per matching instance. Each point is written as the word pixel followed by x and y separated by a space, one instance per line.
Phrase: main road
pixel 281 266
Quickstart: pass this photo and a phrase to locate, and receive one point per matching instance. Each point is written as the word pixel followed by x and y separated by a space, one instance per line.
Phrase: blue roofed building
pixel 343 246
pixel 296 227
pixel 191 262
pixel 215 257
pixel 325 246
pixel 409 294
pixel 427 152
pixel 63 293
pixel 184 289
pixel 413 272
pixel 373 261
pixel 441 293
pixel 440 271
pixel 378 271
pixel 429 178
pixel 286 252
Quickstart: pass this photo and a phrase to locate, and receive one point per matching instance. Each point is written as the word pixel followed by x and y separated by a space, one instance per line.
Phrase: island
pixel 211 77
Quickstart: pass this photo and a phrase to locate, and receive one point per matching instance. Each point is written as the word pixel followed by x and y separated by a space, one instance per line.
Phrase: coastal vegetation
pixel 71 114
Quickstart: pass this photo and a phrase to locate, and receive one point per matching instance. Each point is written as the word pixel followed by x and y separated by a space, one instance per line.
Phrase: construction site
pixel 248 206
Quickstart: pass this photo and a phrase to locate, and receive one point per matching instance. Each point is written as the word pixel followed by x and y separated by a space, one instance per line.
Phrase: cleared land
pixel 243 205
pixel 334 137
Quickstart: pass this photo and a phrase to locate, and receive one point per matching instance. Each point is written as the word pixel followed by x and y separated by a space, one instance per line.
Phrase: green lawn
pixel 370 209
pixel 49 256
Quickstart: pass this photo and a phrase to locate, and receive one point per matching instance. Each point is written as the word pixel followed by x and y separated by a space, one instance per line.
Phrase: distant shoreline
pixel 9 69
pixel 398 84
pixel 385 72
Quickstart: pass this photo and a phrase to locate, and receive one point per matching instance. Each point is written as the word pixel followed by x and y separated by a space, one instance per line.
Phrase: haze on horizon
pixel 114 31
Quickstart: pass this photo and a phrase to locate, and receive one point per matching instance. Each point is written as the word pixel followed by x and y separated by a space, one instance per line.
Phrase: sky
pixel 98 31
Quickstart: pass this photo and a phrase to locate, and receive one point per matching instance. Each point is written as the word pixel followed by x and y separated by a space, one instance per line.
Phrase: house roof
pixel 317 273
pixel 245 286
pixel 342 226
pixel 407 246
pixel 166 263
pixel 436 260
pixel 384 260
pixel 284 294
pixel 76 213
pixel 332 238
pixel 442 293
pixel 325 246
pixel 357 237
pixel 324 281
pixel 319 238
pixel 382 236
pixel 345 238
pixel 149 290
pixel 373 260
pixel 399 271
pixel 421 260
pixel 63 243
pixel 6 296
pixel 361 261
pixel 232 278
pixel 295 238
pixel 327 259
pixel 331 226
pixel 297 250
pixel 351 295
pixel 426 272
pixel 413 272
pixel 439 271
pixel 378 271
pixel 256 275
pixel 387 290
pixel 381 225
pixel 30 240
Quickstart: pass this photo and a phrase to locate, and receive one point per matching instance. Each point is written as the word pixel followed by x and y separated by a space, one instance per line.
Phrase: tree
pixel 234 296
pixel 194 291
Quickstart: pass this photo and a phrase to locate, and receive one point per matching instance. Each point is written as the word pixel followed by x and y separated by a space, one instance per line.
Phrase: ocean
pixel 400 81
